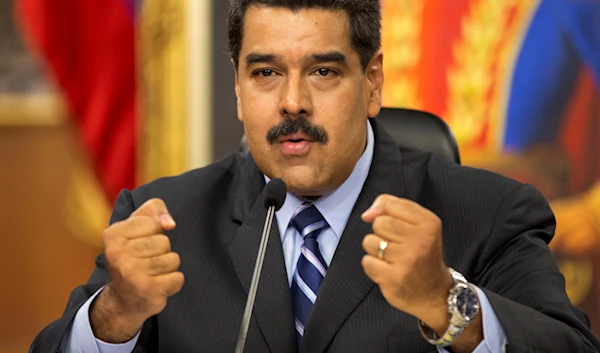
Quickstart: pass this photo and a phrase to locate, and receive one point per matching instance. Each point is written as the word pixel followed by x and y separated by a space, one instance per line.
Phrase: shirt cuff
pixel 81 337
pixel 494 337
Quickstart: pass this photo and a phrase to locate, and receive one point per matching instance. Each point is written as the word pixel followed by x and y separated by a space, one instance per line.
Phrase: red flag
pixel 89 48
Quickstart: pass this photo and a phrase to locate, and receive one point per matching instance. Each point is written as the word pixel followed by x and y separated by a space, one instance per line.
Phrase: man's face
pixel 303 97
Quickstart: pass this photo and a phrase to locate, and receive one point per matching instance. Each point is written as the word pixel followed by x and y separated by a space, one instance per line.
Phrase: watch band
pixel 447 339
pixel 457 322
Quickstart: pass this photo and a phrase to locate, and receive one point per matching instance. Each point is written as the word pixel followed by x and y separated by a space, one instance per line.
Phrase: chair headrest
pixel 420 130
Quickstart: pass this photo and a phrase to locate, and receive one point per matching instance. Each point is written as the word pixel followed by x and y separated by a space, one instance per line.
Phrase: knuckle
pixel 180 278
pixel 145 246
pixel 142 226
pixel 176 259
pixel 174 286
pixel 433 226
pixel 367 264
pixel 436 222
pixel 177 287
pixel 364 262
pixel 425 243
pixel 165 242
pixel 156 203
pixel 142 222
pixel 381 200
pixel 383 197
pixel 148 245
pixel 134 221
pixel 157 244
pixel 144 288
pixel 433 221
pixel 387 223
pixel 112 256
pixel 156 265
pixel 378 225
pixel 365 241
pixel 109 236
pixel 127 270
pixel 369 240
pixel 385 200
pixel 158 304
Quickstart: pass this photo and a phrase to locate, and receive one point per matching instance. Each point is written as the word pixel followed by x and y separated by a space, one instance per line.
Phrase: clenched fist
pixel 410 270
pixel 143 270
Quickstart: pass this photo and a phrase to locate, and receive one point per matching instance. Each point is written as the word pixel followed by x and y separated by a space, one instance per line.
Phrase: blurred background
pixel 100 95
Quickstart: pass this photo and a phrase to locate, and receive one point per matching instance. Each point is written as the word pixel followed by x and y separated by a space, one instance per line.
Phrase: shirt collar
pixel 336 206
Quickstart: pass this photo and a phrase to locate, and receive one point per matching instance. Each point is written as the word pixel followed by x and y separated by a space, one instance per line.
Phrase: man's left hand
pixel 411 274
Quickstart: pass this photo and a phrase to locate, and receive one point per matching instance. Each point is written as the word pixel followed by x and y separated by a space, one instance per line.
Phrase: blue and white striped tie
pixel 311 267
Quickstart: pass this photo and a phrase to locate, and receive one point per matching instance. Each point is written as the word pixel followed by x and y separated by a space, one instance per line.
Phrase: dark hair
pixel 365 22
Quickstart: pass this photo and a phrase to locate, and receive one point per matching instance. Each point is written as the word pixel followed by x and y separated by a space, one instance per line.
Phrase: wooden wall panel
pixel 40 262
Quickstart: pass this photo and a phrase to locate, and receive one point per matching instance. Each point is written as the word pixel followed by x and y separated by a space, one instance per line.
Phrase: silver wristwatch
pixel 463 306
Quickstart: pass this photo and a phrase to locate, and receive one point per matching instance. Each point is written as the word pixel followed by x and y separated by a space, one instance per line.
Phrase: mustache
pixel 290 126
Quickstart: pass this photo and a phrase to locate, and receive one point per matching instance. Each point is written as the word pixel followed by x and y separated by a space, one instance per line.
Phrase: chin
pixel 304 184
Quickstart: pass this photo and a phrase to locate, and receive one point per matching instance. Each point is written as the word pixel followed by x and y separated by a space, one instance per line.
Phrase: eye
pixel 324 72
pixel 265 75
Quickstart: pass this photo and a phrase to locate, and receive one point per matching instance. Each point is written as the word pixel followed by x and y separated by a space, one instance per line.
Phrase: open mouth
pixel 294 138
pixel 295 145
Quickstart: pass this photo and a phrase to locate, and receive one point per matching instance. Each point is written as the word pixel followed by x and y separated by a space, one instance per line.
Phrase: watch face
pixel 466 303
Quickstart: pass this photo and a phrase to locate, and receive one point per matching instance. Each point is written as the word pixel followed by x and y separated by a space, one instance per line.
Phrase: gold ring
pixel 382 246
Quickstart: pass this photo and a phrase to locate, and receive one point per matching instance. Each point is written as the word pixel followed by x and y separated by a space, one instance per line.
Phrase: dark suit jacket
pixel 495 232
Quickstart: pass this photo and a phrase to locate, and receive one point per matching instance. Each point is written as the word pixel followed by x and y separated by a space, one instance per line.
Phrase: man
pixel 358 254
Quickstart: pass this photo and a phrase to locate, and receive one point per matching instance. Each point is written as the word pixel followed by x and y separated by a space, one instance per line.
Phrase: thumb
pixel 156 209
pixel 372 212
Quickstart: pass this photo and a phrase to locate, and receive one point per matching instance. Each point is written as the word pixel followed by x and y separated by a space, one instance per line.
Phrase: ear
pixel 374 74
pixel 237 92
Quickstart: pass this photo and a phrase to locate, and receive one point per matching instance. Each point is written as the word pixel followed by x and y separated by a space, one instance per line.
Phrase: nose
pixel 295 98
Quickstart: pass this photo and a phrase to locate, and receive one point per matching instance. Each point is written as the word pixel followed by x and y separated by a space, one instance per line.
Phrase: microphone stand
pixel 254 283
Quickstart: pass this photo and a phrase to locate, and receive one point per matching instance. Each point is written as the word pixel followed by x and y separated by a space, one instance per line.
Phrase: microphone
pixel 274 196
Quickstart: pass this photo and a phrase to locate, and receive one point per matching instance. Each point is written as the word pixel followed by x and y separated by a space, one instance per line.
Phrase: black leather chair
pixel 414 129
pixel 420 130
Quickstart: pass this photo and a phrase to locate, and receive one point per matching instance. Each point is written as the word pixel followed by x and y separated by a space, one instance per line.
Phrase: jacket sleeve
pixel 523 283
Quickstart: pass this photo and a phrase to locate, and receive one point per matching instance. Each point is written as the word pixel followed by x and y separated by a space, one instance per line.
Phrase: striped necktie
pixel 311 267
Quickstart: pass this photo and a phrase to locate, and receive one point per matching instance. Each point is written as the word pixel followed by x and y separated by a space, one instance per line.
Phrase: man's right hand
pixel 143 271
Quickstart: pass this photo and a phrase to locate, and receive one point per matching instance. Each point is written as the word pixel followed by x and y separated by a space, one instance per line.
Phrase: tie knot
pixel 308 221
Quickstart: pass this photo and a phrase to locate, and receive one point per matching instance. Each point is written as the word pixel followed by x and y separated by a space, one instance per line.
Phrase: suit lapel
pixel 346 284
pixel 273 305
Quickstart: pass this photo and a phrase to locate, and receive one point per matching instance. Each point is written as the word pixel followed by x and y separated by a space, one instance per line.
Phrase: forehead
pixel 295 33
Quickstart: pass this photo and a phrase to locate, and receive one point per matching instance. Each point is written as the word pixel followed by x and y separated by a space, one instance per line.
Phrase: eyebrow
pixel 329 57
pixel 256 58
